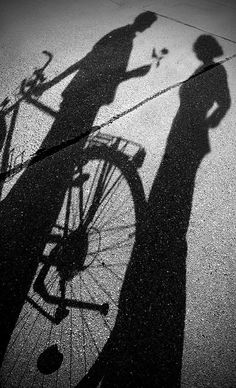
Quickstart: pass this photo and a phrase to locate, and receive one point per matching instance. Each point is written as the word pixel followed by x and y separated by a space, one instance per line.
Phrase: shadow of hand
pixel 143 70
pixel 139 72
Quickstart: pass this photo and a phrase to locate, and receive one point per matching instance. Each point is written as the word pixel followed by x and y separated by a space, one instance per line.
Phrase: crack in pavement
pixel 194 27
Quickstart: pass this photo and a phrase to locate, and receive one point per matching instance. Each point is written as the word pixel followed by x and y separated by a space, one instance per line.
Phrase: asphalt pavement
pixel 150 109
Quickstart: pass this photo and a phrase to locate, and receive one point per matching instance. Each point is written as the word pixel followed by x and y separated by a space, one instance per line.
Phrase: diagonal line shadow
pixel 44 153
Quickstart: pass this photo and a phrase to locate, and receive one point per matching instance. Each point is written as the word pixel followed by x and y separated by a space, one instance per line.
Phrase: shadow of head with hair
pixel 207 48
pixel 146 345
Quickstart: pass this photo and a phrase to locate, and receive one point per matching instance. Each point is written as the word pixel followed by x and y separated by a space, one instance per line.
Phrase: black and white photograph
pixel 118 194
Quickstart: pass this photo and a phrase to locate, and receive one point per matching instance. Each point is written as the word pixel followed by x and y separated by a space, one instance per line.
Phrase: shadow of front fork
pixel 61 301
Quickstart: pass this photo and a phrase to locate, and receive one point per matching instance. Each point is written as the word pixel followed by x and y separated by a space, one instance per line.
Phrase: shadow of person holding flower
pixel 146 346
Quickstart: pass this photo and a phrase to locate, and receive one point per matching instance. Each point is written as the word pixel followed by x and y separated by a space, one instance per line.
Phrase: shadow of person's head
pixel 144 21
pixel 207 48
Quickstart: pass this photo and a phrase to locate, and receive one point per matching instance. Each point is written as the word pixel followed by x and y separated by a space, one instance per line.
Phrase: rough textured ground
pixel 69 30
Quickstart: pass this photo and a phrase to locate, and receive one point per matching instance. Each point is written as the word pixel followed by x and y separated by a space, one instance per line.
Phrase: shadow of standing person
pixel 30 210
pixel 146 345
pixel 204 101
pixel 98 75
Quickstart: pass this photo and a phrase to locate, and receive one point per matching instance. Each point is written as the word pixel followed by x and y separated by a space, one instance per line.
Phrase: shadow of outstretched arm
pixel 139 72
